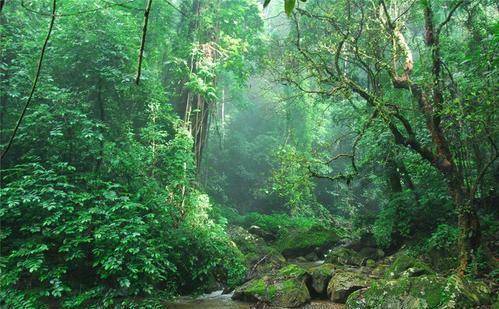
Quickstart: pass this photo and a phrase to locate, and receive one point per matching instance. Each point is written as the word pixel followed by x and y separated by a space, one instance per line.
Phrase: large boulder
pixel 426 291
pixel 345 282
pixel 290 293
pixel 462 292
pixel 260 258
pixel 379 270
pixel 284 288
pixel 300 242
pixel 259 265
pixel 319 279
pixel 265 235
pixel 247 242
pixel 255 290
pixel 407 266
pixel 312 257
pixel 344 256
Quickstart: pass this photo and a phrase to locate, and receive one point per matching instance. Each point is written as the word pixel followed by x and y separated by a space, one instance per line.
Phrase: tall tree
pixel 365 52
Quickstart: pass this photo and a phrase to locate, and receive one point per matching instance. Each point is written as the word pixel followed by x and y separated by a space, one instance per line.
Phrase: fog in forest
pixel 249 154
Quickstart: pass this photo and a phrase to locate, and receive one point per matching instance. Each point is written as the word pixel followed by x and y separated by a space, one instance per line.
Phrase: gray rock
pixel 343 283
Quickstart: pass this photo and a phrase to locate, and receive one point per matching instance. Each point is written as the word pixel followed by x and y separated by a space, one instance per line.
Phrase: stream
pixel 217 299
pixel 211 300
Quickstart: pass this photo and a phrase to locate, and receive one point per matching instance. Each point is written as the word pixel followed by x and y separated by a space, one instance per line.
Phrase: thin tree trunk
pixel 143 41
pixel 35 80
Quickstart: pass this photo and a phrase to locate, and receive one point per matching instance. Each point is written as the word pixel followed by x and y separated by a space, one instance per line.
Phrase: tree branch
pixel 143 41
pixel 449 16
pixel 346 177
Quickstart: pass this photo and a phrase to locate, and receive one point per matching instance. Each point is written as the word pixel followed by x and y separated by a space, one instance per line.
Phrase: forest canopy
pixel 282 152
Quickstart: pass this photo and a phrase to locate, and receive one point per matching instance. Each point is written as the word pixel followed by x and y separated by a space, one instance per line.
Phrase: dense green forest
pixel 249 154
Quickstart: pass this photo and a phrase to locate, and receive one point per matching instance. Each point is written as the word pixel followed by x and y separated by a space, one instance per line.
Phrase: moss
pixel 292 271
pixel 428 288
pixel 319 278
pixel 257 286
pixel 255 290
pixel 343 283
pixel 271 292
pixel 299 242
pixel 466 291
pixel 356 300
pixel 344 256
pixel 288 285
pixel 325 269
pixel 406 265
pixel 379 271
pixel 427 291
pixel 291 293
pixel 370 263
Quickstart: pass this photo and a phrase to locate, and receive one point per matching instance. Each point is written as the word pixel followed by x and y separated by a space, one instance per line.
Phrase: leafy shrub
pixel 393 221
pixel 276 223
pixel 73 240
pixel 444 238
pixel 402 219
pixel 58 239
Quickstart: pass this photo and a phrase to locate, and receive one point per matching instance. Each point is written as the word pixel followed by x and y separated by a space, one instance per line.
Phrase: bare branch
pixel 449 16
pixel 143 41
pixel 339 156
pixel 481 174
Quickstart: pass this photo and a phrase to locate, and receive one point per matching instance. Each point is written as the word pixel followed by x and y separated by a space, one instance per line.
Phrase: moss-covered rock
pixel 265 235
pixel 292 271
pixel 379 270
pixel 344 256
pixel 345 282
pixel 290 293
pixel 312 257
pixel 267 264
pixel 284 288
pixel 406 292
pixel 300 242
pixel 319 278
pixel 370 263
pixel 465 293
pixel 407 266
pixel 245 241
pixel 254 291
pixel 260 258
pixel 427 291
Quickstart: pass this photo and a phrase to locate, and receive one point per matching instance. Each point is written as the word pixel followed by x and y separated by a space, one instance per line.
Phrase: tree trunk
pixel 468 224
pixel 394 178
pixel 469 236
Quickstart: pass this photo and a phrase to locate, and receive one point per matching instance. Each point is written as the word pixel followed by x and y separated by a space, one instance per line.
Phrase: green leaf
pixel 289 5
pixel 266 3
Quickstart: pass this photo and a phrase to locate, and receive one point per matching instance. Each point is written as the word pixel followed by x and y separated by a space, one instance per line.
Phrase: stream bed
pixel 216 300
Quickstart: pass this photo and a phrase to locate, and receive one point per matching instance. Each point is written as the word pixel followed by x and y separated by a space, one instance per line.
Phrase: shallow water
pixel 308 265
pixel 212 300
pixel 217 300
